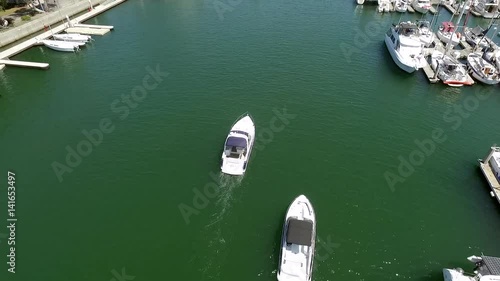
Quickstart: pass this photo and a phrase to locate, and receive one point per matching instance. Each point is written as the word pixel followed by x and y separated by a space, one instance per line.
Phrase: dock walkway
pixel 493 182
pixel 18 48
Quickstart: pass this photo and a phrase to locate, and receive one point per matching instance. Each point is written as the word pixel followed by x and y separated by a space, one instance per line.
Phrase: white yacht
pixel 447 33
pixel 426 35
pixel 482 70
pixel 487 8
pixel 384 6
pixel 401 6
pixel 403 43
pixel 450 70
pixel 72 37
pixel 421 6
pixel 297 242
pixel 487 269
pixel 62 46
pixel 475 36
pixel 238 146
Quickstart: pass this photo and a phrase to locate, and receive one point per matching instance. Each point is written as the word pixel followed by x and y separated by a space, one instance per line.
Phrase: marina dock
pixel 18 48
pixel 25 64
pixel 492 176
pixel 87 31
pixel 110 27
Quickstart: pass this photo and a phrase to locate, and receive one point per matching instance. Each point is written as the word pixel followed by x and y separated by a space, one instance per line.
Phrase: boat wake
pixel 217 248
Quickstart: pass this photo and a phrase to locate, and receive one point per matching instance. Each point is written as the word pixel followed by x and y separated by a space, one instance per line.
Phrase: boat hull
pixel 244 128
pixel 395 57
pixel 302 255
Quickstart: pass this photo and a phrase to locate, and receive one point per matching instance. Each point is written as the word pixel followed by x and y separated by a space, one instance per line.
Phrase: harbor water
pixel 116 149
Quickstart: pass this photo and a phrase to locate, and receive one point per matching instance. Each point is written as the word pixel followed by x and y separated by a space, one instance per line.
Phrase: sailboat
pixel 482 70
pixel 450 70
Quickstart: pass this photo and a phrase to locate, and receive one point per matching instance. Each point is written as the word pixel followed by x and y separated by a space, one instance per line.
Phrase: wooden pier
pixel 489 174
pixel 18 48
pixel 430 74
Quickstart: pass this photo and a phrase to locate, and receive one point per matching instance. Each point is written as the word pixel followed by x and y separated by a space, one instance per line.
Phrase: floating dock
pixel 25 64
pixel 430 74
pixel 450 8
pixel 18 48
pixel 110 27
pixel 87 31
pixel 489 173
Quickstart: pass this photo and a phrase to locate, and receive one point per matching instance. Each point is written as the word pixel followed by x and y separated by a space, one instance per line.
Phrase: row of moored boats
pixel 67 42
pixel 409 43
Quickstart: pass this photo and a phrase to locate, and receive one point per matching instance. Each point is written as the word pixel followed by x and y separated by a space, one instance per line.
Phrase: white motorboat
pixel 384 6
pixel 487 269
pixel 421 6
pixel 72 37
pixel 487 8
pixel 475 36
pixel 298 241
pixel 360 2
pixel 447 33
pixel 61 46
pixel 492 56
pixel 403 43
pixel 238 146
pixel 426 35
pixel 401 6
pixel 482 70
pixel 450 70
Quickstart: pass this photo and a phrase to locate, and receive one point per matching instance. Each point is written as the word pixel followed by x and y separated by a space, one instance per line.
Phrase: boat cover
pixel 299 232
pixel 489 266
pixel 235 141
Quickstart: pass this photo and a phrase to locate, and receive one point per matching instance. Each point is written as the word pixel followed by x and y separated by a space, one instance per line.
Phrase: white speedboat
pixel 475 36
pixel 238 146
pixel 421 6
pixel 384 6
pixel 401 6
pixel 447 34
pixel 450 70
pixel 426 35
pixel 61 46
pixel 297 242
pixel 403 43
pixel 482 70
pixel 487 269
pixel 72 37
pixel 487 8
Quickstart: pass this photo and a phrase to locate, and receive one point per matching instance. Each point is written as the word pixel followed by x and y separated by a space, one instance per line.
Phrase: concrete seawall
pixel 18 33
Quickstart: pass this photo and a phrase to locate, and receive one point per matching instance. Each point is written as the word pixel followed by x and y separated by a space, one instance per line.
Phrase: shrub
pixel 26 18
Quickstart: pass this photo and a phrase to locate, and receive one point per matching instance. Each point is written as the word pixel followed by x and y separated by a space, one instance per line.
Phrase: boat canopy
pixel 299 232
pixel 477 31
pixel 448 26
pixel 236 141
pixel 239 132
pixel 489 266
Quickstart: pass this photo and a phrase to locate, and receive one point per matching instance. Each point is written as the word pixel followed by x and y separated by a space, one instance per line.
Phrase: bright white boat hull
pixel 420 9
pixel 244 128
pixel 445 38
pixel 72 37
pixel 61 46
pixel 396 58
pixel 296 260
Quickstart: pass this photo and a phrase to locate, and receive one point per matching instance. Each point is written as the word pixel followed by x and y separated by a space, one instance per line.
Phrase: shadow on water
pixel 275 256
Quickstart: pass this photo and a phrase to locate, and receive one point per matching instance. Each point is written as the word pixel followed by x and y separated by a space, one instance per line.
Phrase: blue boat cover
pixel 235 141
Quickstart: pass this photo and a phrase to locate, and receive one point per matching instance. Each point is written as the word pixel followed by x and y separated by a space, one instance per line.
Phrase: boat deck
pixel 492 180
pixel 87 31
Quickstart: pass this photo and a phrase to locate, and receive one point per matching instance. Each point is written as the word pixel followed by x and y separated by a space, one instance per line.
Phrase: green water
pixel 353 116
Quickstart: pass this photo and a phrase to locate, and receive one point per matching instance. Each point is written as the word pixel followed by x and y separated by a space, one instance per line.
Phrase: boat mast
pixel 456 30
pixel 487 30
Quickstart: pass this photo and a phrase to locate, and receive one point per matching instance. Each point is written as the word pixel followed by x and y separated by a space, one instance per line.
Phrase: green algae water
pixel 116 149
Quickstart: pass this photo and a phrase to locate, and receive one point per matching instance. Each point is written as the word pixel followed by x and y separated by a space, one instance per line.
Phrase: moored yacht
pixel 487 8
pixel 403 43
pixel 450 70
pixel 421 6
pixel 426 35
pixel 482 70
pixel 401 6
pixel 238 146
pixel 475 36
pixel 487 269
pixel 298 241
pixel 447 33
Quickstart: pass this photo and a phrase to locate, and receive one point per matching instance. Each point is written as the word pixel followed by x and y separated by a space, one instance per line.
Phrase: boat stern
pixel 454 275
pixel 231 166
